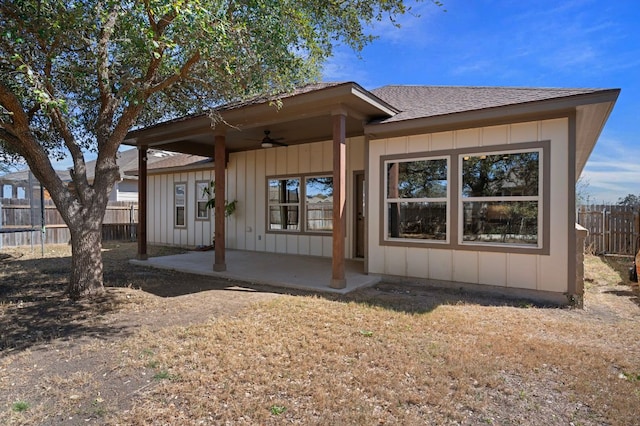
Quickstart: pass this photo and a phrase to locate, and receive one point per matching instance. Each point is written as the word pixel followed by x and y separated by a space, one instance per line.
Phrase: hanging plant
pixel 210 192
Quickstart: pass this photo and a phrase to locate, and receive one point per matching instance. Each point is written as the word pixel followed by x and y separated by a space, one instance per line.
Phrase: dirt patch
pixel 162 347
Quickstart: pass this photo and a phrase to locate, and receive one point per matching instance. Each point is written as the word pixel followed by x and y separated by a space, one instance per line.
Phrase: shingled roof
pixel 430 101
pixel 23 176
pixel 256 100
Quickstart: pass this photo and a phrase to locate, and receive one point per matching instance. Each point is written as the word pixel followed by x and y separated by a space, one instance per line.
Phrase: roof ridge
pixel 487 87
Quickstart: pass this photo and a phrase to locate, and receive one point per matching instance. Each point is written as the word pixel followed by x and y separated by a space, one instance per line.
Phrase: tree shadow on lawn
pixel 34 308
pixel 404 297
pixel 421 298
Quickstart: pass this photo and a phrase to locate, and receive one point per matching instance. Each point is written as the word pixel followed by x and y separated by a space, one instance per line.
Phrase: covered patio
pixel 279 270
pixel 317 113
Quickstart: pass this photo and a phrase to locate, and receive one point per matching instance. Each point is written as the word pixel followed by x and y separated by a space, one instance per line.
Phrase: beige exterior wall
pixel 247 174
pixel 525 271
pixel 160 215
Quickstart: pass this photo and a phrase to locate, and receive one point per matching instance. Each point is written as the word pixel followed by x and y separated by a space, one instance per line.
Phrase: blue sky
pixel 575 43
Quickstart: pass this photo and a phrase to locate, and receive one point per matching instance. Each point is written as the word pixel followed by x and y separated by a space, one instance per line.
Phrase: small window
pixel 284 204
pixel 417 194
pixel 179 200
pixel 203 195
pixel 501 198
pixel 319 203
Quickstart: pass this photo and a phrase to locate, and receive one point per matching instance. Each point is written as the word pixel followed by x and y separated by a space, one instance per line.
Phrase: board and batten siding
pixel 246 182
pixel 525 271
pixel 160 211
pixel 247 174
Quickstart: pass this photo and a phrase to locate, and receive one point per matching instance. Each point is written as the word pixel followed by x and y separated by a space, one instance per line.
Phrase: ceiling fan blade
pixel 269 142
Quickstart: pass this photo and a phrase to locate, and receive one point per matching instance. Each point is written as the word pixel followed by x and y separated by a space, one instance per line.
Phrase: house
pixel 16 185
pixel 126 187
pixel 471 185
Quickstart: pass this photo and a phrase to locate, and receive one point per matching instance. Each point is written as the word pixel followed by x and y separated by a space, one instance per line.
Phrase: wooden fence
pixel 612 229
pixel 21 223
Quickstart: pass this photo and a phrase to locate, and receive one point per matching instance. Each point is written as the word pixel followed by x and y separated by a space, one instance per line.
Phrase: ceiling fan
pixel 269 142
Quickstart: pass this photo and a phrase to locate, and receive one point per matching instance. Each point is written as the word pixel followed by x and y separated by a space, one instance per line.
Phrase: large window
pixel 284 204
pixel 501 198
pixel 416 199
pixel 300 204
pixel 179 202
pixel 465 198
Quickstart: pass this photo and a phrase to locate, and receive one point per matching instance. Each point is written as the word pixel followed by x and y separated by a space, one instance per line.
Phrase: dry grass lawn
pixel 169 348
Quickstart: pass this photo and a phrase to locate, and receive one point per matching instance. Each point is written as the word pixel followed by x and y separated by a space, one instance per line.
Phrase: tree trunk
pixel 86 260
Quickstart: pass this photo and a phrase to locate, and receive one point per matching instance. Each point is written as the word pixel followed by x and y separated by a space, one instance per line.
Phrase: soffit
pixel 590 121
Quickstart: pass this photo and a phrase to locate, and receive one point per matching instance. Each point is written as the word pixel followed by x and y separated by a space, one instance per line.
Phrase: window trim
pixel 304 211
pixel 455 196
pixel 302 204
pixel 200 200
pixel 176 205
pixel 538 198
pixel 447 200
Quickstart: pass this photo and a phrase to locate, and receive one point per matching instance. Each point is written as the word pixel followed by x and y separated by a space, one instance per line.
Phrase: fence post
pixel 131 221
pixel 635 232
pixel 578 296
pixel 605 240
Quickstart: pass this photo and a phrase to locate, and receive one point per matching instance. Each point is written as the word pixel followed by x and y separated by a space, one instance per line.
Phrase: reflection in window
pixel 284 204
pixel 417 179
pixel 179 199
pixel 513 222
pixel 319 203
pixel 500 175
pixel 202 194
pixel 416 199
pixel 501 198
pixel 418 220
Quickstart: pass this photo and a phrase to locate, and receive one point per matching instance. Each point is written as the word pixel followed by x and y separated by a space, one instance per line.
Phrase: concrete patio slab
pixel 274 269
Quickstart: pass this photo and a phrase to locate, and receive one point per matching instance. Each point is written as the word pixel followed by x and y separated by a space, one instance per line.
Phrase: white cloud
pixel 611 171
pixel 345 65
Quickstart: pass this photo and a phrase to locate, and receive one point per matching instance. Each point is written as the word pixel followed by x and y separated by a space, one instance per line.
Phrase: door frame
pixel 359 232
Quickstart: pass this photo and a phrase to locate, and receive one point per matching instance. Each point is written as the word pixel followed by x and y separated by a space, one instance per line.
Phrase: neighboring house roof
pixel 128 161
pixel 174 162
pixel 23 176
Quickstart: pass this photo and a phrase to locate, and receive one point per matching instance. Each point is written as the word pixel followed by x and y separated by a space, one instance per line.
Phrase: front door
pixel 359 213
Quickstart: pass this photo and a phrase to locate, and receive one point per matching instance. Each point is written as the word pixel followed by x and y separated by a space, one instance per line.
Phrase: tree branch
pixel 107 108
pixel 184 71
pixel 20 138
pixel 7 134
pixel 158 28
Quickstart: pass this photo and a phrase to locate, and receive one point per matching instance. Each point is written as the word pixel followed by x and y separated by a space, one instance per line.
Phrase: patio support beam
pixel 142 203
pixel 338 279
pixel 220 164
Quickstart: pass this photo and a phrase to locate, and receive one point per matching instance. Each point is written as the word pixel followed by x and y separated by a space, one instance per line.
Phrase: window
pixel 300 204
pixel 501 198
pixel 466 199
pixel 319 203
pixel 179 201
pixel 203 195
pixel 284 204
pixel 416 199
